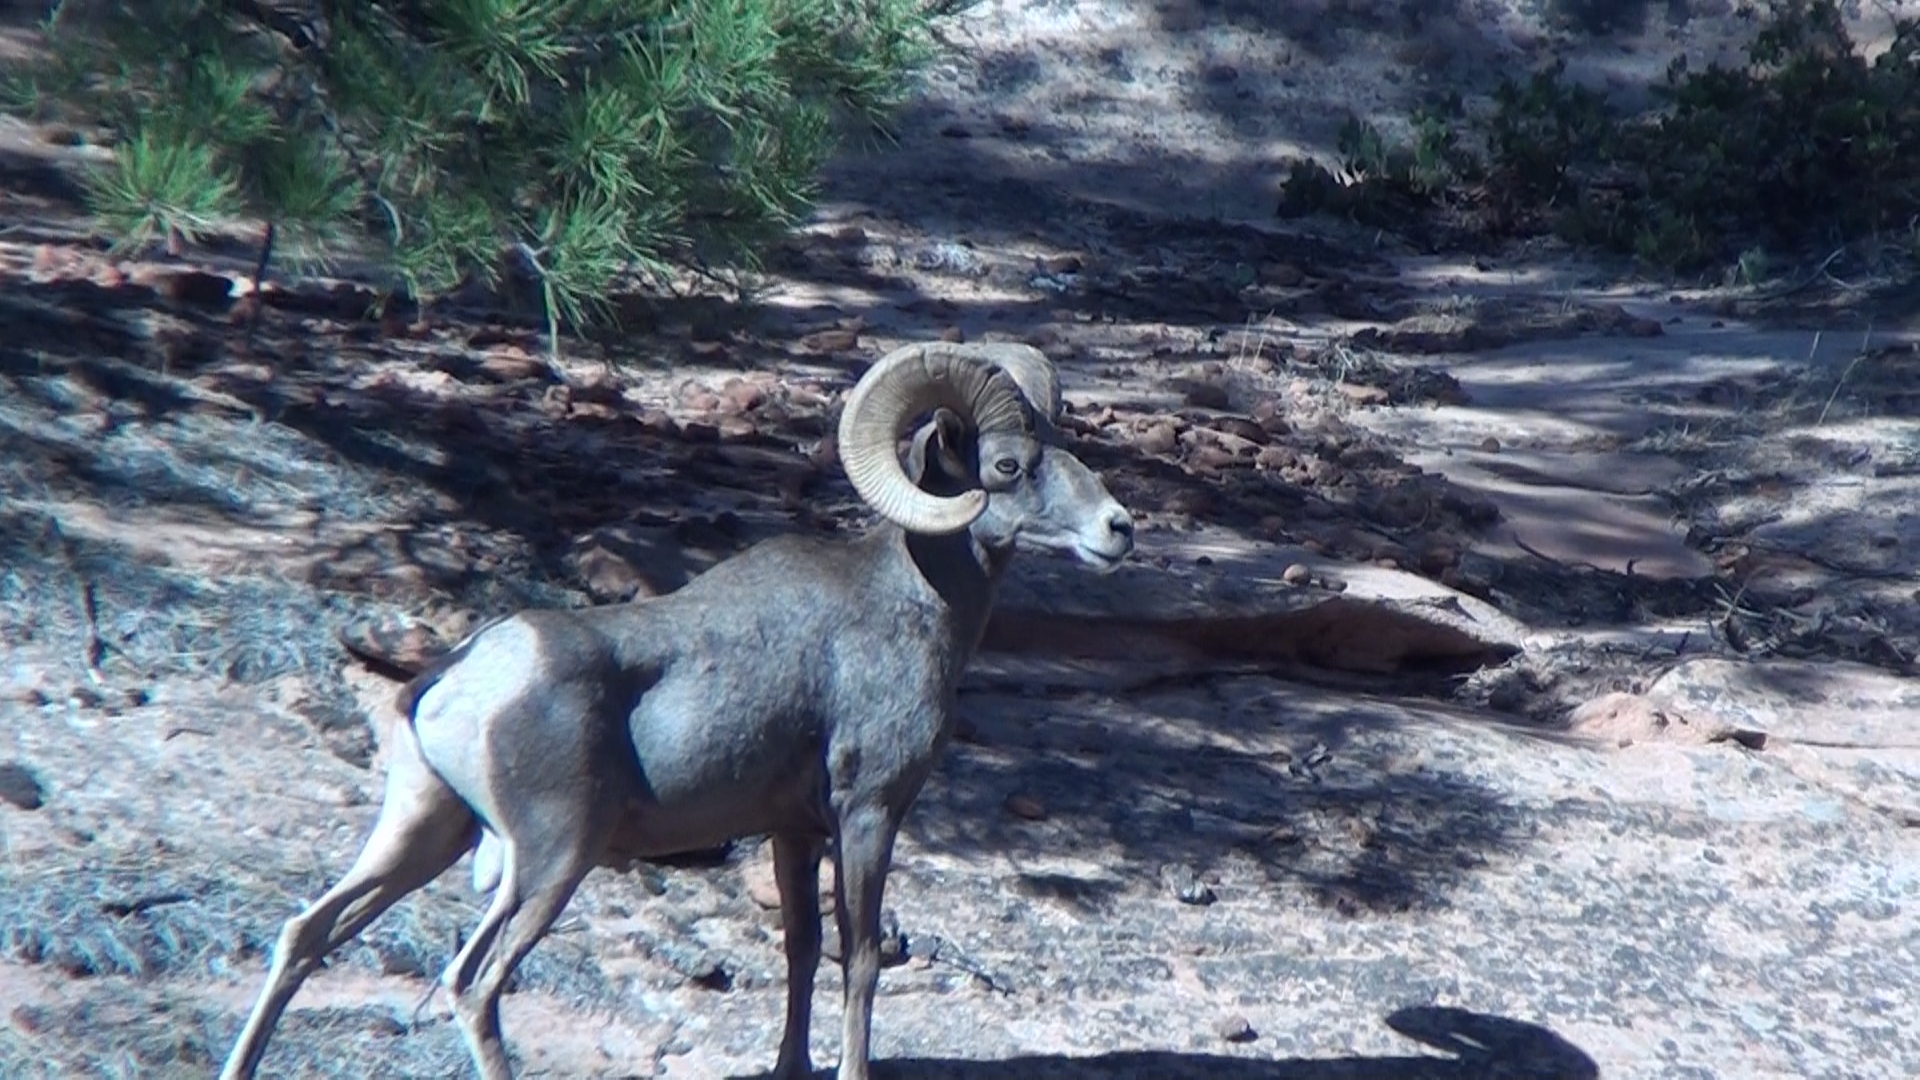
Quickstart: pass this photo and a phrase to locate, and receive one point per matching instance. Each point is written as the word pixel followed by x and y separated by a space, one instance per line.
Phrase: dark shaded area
pixel 1321 636
pixel 1599 17
pixel 1160 780
pixel 533 465
pixel 1267 93
pixel 1486 1048
pixel 1325 28
pixel 117 400
pixel 33 177
pixel 20 785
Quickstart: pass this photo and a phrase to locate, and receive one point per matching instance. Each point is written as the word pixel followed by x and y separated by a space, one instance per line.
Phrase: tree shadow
pixel 76 349
pixel 427 436
pixel 1598 18
pixel 1481 1047
pixel 546 477
pixel 36 177
pixel 505 463
pixel 1321 28
pixel 1258 784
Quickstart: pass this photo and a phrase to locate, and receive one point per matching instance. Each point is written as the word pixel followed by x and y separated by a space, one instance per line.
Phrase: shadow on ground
pixel 1268 791
pixel 1486 1048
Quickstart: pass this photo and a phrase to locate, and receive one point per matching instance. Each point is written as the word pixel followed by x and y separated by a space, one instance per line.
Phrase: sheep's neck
pixel 964 572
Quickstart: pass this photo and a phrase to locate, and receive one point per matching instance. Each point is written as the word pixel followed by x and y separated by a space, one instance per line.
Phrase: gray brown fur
pixel 803 688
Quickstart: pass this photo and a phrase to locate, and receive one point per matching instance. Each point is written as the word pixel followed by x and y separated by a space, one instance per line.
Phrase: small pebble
pixel 1026 806
pixel 1186 886
pixel 21 787
pixel 1234 1029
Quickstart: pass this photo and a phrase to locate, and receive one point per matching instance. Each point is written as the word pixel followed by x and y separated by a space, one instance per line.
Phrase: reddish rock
pixel 1202 394
pixel 1193 501
pixel 1241 428
pixel 1160 438
pixel 739 396
pixel 831 341
pixel 1275 458
pixel 593 410
pixel 1270 414
pixel 511 365
pixel 607 575
pixel 1026 806
pixel 1211 458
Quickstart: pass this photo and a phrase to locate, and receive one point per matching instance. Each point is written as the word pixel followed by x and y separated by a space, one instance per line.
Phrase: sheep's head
pixel 988 459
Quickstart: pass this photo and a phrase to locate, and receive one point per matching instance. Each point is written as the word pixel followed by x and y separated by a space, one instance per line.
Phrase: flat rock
pixel 1824 704
pixel 1582 508
pixel 1847 729
pixel 1624 719
pixel 1210 595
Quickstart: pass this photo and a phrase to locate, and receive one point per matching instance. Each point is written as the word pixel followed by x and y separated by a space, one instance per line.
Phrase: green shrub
pixel 1807 143
pixel 588 138
pixel 1380 181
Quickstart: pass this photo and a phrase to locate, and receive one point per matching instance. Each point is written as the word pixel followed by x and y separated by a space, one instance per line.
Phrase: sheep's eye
pixel 1007 466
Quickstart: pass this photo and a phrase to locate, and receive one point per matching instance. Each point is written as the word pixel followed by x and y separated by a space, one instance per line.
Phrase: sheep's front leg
pixel 796 868
pixel 866 851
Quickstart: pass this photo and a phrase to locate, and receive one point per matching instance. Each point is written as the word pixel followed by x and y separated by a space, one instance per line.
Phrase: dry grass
pixel 138 940
pixel 152 921
pixel 128 1031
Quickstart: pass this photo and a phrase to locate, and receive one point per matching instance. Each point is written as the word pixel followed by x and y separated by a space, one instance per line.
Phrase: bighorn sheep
pixel 803 688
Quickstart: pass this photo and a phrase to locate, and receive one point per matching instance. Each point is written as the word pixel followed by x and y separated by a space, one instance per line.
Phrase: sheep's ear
pixel 946 442
pixel 954 442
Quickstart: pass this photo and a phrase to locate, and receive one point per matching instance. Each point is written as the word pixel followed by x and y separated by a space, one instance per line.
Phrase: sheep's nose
pixel 1120 524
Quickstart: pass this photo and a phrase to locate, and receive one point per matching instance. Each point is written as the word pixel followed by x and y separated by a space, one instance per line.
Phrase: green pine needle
pixel 598 138
pixel 161 187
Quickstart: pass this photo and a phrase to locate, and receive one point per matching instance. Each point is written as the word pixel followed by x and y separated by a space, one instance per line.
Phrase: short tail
pixel 410 693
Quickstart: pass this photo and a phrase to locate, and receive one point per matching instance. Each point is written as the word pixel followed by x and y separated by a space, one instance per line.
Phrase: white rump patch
pixel 500 671
pixel 501 666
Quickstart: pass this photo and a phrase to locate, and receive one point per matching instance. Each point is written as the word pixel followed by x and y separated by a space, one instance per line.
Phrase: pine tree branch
pixel 308 37
pixel 303 34
pixel 589 139
pixel 532 257
pixel 260 280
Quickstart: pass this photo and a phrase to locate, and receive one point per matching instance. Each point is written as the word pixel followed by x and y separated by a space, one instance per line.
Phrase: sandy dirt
pixel 1516 676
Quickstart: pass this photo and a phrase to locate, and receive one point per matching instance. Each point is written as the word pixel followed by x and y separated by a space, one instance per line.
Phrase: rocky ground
pixel 1516 677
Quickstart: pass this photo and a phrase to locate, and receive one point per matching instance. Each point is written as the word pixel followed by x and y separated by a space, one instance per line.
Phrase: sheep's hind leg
pixel 423 828
pixel 796 867
pixel 536 881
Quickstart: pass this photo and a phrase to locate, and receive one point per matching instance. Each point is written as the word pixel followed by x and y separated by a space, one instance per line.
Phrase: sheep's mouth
pixel 1105 562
